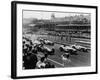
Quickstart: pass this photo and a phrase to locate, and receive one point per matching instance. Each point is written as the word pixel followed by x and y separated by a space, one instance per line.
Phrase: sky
pixel 46 15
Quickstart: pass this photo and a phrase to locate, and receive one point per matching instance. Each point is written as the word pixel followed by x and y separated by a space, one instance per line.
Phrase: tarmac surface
pixel 80 60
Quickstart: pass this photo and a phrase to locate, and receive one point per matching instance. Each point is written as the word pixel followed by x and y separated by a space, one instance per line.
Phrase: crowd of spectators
pixel 31 60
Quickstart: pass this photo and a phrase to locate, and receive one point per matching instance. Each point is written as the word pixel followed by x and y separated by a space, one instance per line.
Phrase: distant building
pixel 71 24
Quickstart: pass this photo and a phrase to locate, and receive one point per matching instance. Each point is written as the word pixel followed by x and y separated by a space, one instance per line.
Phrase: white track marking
pixel 55 62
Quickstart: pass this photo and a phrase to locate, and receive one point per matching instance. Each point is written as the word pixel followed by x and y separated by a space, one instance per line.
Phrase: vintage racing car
pixel 80 48
pixel 46 50
pixel 46 41
pixel 68 49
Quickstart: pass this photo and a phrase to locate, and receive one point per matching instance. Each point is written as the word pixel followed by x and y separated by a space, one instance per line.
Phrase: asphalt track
pixel 80 60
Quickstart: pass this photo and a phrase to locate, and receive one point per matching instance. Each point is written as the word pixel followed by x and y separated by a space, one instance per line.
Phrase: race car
pixel 47 42
pixel 68 49
pixel 41 40
pixel 36 42
pixel 27 41
pixel 80 48
pixel 46 50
